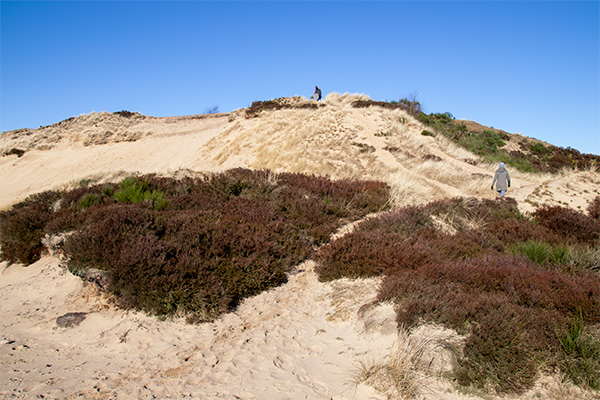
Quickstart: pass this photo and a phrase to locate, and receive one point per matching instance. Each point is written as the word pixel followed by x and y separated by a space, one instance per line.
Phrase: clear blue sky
pixel 524 67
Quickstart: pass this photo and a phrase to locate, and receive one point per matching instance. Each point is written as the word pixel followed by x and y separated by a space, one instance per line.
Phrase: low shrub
pixel 539 148
pixel 593 209
pixel 193 247
pixel 18 152
pixel 585 257
pixel 277 104
pixel 471 265
pixel 22 227
pixel 571 224
pixel 131 189
pixel 538 252
pixel 499 353
pixel 136 190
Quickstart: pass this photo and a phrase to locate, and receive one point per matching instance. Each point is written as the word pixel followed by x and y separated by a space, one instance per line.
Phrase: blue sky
pixel 529 67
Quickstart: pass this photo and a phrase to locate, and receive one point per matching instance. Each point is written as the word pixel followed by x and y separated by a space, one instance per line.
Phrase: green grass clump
pixel 88 200
pixel 543 254
pixel 581 347
pixel 137 191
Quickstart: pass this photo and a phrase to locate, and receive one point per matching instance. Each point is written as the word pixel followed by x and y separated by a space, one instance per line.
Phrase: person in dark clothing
pixel 317 93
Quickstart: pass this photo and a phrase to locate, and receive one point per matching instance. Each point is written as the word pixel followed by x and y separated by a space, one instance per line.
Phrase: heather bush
pixel 193 247
pixel 499 354
pixel 460 290
pixel 573 225
pixel 471 265
pixel 470 296
pixel 374 253
pixel 593 209
pixel 22 227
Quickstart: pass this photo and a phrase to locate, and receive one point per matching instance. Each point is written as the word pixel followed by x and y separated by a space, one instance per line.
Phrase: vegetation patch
pixel 14 151
pixel 491 143
pixel 527 155
pixel 279 104
pixel 193 247
pixel 363 147
pixel 411 106
pixel 127 114
pixel 470 265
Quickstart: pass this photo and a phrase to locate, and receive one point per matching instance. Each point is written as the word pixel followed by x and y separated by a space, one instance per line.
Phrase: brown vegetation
pixel 279 104
pixel 193 247
pixel 454 263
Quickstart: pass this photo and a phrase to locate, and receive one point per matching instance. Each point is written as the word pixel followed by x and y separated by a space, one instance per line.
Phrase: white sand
pixel 304 340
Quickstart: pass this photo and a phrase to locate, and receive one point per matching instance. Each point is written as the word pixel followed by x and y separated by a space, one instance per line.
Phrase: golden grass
pixel 340 141
pixel 404 373
pixel 407 188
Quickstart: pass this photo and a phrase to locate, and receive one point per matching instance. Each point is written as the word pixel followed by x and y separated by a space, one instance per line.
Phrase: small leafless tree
pixel 212 110
pixel 412 105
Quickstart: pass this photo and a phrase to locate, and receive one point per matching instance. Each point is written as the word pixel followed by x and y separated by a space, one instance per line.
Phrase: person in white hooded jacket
pixel 502 180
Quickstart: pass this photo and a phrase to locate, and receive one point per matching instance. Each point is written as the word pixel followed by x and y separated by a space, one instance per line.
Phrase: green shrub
pixel 539 148
pixel 132 190
pixel 108 191
pixel 424 119
pixel 561 256
pixel 428 133
pixel 538 252
pixel 157 199
pixel 88 200
pixel 137 191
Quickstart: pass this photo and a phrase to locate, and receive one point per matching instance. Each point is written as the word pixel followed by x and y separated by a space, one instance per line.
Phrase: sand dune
pixel 304 340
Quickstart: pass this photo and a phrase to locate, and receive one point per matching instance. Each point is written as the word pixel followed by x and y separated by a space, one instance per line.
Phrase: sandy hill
pixel 333 139
pixel 302 340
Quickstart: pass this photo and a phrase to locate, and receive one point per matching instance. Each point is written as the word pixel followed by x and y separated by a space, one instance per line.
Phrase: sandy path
pixel 292 342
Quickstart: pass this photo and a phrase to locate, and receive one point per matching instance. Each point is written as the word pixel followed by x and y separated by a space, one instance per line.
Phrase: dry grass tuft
pixel 404 373
pixel 409 189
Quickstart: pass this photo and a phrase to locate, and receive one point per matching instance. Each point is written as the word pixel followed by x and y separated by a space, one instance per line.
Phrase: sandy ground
pixel 303 340
pixel 291 342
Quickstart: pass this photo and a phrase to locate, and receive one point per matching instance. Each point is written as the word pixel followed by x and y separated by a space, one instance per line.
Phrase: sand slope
pixel 304 340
